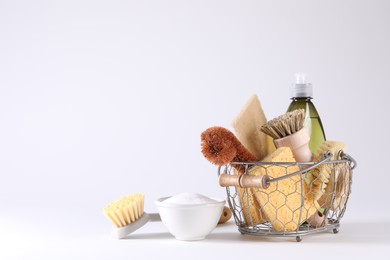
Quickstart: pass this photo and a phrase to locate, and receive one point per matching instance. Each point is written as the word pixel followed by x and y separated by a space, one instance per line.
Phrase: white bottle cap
pixel 301 88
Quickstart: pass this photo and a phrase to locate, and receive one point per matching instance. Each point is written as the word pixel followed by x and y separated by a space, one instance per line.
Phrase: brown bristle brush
pixel 220 146
pixel 287 131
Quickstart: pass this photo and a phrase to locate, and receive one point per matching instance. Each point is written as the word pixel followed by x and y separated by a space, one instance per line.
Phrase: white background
pixel 103 98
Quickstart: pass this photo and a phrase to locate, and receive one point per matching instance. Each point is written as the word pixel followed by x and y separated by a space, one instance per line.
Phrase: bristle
pixel 125 210
pixel 220 146
pixel 133 212
pixel 110 216
pixel 119 213
pixel 126 214
pixel 285 125
pixel 135 208
pixel 116 217
pixel 329 146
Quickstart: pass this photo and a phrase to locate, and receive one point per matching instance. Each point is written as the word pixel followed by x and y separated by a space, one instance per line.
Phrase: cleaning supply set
pixel 297 185
pixel 127 215
pixel 282 178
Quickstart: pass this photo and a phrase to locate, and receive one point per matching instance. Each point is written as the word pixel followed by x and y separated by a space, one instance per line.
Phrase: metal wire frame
pixel 333 213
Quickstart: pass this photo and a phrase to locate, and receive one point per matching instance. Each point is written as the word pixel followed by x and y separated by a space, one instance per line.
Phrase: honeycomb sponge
pixel 283 202
pixel 250 207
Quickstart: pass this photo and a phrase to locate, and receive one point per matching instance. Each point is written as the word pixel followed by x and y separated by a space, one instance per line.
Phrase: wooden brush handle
pixel 244 181
pixel 299 144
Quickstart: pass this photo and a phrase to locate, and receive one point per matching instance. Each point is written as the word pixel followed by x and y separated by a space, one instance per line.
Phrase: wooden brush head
pixel 285 125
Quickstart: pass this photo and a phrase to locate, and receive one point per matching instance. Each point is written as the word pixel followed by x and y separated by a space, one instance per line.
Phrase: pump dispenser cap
pixel 301 88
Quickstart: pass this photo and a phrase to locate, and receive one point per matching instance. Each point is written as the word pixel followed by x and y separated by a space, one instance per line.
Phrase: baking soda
pixel 189 199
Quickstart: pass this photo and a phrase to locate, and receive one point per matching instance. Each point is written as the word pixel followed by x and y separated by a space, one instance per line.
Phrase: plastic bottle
pixel 301 95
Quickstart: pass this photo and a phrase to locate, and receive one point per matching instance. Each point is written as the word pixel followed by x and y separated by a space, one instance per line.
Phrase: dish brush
pixel 287 131
pixel 333 195
pixel 127 214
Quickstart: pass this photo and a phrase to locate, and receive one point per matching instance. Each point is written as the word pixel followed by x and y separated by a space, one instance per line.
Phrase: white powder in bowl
pixel 189 199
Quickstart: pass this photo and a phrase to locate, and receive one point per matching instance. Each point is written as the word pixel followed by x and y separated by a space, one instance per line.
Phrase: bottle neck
pixel 302 99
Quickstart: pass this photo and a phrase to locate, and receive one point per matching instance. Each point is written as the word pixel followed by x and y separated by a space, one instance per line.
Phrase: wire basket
pixel 293 204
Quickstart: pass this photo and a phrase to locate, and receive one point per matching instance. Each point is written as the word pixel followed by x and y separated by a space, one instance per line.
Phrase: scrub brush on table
pixel 127 214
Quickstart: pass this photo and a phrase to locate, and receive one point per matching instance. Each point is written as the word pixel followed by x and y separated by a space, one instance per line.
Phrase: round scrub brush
pixel 287 131
pixel 220 147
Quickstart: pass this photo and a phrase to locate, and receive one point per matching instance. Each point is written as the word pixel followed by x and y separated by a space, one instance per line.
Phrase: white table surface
pixel 357 239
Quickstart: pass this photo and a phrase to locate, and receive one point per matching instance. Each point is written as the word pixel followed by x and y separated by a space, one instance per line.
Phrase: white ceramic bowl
pixel 190 222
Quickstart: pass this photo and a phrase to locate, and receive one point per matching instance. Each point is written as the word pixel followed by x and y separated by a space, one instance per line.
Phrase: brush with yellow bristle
pixel 127 214
pixel 329 187
pixel 337 185
pixel 321 181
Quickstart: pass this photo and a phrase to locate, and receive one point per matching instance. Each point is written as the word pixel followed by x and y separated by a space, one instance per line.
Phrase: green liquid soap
pixel 302 93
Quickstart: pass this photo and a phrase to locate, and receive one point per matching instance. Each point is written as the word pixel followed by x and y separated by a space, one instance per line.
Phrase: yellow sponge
pixel 283 202
pixel 249 206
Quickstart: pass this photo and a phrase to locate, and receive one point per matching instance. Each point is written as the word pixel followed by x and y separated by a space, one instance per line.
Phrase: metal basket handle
pixel 263 182
pixel 352 162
